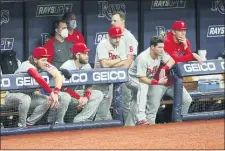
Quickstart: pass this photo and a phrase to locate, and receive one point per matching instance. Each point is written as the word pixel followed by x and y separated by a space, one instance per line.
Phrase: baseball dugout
pixel 115 76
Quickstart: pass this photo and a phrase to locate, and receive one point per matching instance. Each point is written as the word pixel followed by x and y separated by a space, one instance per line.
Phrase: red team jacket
pixel 76 37
pixel 177 52
pixel 49 45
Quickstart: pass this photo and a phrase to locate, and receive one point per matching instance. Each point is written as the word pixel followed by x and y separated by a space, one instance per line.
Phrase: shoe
pixel 143 122
pixel 29 125
pixel 20 125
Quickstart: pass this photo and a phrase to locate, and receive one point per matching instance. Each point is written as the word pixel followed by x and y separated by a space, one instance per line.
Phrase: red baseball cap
pixel 179 25
pixel 40 52
pixel 79 48
pixel 115 31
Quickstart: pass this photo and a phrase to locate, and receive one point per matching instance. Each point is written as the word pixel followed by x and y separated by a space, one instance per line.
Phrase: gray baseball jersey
pixel 70 65
pixel 145 66
pixel 105 50
pixel 130 42
pixel 23 69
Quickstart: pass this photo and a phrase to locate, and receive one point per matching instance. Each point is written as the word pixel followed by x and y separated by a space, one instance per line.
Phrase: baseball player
pixel 118 19
pixel 110 53
pixel 24 99
pixel 141 78
pixel 178 47
pixel 74 35
pixel 58 47
pixel 87 98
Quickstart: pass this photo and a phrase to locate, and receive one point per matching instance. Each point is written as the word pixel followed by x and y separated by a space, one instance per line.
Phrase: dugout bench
pixel 84 77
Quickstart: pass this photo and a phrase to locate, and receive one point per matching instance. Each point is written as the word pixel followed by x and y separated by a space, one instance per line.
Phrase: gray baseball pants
pixel 155 95
pixel 149 96
pixel 90 109
pixel 126 98
pixel 103 111
pixel 23 102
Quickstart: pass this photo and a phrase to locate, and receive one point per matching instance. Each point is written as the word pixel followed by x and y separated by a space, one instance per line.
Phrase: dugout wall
pixel 26 24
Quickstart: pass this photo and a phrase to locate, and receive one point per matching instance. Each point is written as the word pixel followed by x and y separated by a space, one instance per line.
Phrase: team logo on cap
pixel 168 4
pixel 106 10
pixel 53 9
pixel 4 16
pixel 7 43
pixel 218 5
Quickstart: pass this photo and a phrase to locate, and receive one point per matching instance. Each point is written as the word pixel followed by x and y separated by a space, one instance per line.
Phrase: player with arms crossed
pixel 141 78
pixel 87 98
pixel 24 99
pixel 110 53
pixel 178 47
pixel 131 44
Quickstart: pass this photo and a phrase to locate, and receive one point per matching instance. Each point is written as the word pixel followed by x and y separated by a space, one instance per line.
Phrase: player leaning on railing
pixel 24 99
pixel 178 47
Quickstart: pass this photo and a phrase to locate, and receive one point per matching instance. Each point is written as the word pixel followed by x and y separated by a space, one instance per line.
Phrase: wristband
pixel 166 68
pixel 87 94
pixel 56 90
pixel 154 82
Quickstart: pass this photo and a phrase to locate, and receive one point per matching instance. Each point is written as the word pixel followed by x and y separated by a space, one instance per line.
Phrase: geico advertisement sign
pixel 204 67
pixel 22 81
pixel 76 78
pixel 97 76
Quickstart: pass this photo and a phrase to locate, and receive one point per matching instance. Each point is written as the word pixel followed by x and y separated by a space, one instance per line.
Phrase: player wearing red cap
pixel 87 98
pixel 110 53
pixel 131 44
pixel 24 99
pixel 178 47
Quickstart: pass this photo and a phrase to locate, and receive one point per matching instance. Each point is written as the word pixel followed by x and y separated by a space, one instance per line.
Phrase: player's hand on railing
pixel 163 80
pixel 54 99
pixel 198 58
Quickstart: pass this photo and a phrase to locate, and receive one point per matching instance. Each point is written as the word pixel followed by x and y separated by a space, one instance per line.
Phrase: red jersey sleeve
pixel 50 48
pixel 188 56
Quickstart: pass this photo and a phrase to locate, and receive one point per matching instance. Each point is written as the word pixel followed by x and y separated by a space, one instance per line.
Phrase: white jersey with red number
pixel 105 50
pixel 130 42
pixel 145 66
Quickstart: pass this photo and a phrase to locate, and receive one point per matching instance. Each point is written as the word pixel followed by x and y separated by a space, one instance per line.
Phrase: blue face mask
pixel 73 24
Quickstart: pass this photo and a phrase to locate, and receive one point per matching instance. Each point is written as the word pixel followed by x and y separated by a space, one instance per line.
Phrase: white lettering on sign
pixel 210 66
pixel 112 75
pixel 222 65
pixel 77 77
pixel 28 81
pixel 5 83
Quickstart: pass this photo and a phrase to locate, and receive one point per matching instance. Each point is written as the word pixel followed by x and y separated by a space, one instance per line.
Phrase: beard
pixel 82 61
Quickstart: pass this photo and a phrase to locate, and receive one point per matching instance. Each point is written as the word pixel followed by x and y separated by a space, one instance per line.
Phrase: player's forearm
pixel 120 64
pixel 146 80
pixel 170 63
pixel 58 81
pixel 109 63
pixel 129 61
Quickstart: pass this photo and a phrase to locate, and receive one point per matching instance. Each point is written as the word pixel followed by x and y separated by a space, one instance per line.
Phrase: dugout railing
pixel 181 70
pixel 115 76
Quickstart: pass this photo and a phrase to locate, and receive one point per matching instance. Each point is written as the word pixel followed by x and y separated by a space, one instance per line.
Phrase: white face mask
pixel 73 24
pixel 64 33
